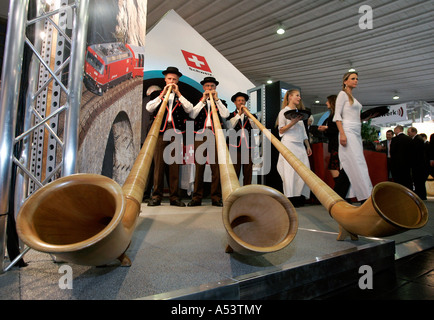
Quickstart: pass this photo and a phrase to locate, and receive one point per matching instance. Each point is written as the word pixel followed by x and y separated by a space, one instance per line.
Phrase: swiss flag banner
pixel 196 61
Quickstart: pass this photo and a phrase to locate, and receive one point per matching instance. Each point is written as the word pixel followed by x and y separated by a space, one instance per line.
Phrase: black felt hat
pixel 173 70
pixel 240 94
pixel 209 79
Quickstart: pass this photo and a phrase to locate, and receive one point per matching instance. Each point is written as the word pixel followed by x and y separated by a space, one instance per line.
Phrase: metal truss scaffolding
pixel 39 131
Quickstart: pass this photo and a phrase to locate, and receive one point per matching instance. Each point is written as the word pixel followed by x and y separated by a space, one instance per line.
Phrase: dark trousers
pixel 342 184
pixel 216 193
pixel 403 177
pixel 389 170
pixel 159 169
pixel 244 161
pixel 419 181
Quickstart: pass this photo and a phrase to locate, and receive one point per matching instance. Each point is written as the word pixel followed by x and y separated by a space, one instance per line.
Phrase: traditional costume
pixel 201 113
pixel 244 143
pixel 175 115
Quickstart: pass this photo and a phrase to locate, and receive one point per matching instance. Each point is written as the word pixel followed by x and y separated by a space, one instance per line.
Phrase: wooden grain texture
pixel 257 218
pixel 89 219
pixel 390 210
pixel 135 183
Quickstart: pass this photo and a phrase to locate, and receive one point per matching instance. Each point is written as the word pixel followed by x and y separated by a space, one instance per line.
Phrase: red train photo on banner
pixel 108 64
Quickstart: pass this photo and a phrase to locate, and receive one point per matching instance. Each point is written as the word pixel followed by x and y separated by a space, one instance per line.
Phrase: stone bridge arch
pixel 119 155
pixel 110 129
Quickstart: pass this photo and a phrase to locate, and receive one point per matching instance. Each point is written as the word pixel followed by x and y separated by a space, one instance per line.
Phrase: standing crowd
pixel 409 156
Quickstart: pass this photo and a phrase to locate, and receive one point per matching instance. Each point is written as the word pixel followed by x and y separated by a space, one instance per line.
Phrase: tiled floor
pixel 156 243
pixel 411 279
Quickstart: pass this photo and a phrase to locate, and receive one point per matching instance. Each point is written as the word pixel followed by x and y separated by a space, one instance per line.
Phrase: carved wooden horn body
pixel 391 208
pixel 257 218
pixel 89 219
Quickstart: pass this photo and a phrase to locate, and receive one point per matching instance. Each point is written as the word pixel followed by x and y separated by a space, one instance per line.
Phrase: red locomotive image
pixel 108 64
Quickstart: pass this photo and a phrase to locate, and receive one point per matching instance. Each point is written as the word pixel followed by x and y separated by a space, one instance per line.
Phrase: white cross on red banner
pixel 196 61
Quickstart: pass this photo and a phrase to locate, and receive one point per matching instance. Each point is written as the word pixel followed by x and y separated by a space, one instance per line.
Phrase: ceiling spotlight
pixel 270 81
pixel 352 69
pixel 280 30
pixel 317 101
pixel 395 97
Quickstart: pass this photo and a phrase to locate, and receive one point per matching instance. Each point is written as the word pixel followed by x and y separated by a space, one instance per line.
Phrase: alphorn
pixel 258 219
pixel 391 209
pixel 88 219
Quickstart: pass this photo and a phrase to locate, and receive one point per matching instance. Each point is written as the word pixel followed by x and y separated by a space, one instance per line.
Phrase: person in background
pixel 310 128
pixel 427 150
pixel 419 163
pixel 294 137
pixel 354 177
pixel 400 148
pixel 332 133
pixel 424 137
pixel 384 146
pixel 431 154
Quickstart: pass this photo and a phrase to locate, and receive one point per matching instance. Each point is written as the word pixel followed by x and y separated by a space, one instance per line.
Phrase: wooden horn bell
pixel 89 219
pixel 391 208
pixel 257 218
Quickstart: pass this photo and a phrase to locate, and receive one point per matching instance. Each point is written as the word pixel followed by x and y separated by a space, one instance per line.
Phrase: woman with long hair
pixel 332 133
pixel 293 136
pixel 354 178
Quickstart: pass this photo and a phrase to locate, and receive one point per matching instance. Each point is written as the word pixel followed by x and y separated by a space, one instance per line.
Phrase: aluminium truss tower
pixel 39 132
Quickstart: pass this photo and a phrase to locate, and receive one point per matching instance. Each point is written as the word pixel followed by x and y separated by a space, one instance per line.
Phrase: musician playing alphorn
pixel 174 118
pixel 201 113
pixel 245 141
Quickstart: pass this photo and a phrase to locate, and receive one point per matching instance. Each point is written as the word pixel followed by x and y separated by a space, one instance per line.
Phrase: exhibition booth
pixel 83 231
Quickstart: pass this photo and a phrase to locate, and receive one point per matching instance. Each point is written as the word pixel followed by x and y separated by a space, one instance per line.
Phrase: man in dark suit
pixel 427 151
pixel 240 149
pixel 400 149
pixel 174 119
pixel 384 146
pixel 203 128
pixel 419 163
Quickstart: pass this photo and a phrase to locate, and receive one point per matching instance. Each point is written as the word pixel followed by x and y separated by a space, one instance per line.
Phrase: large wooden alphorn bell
pixel 257 218
pixel 391 208
pixel 88 219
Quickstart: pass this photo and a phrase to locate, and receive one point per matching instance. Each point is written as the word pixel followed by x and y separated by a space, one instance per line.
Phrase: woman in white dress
pixel 294 137
pixel 354 178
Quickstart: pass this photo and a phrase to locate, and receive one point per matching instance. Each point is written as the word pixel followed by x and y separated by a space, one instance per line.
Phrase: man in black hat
pixel 174 118
pixel 240 149
pixel 203 125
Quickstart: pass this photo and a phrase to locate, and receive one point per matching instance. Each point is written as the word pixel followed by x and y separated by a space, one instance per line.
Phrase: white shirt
pixel 234 120
pixel 297 133
pixel 153 104
pixel 388 148
pixel 224 112
pixel 346 112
